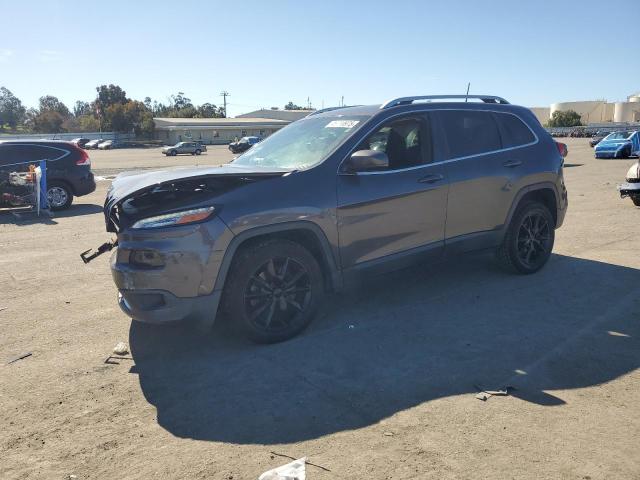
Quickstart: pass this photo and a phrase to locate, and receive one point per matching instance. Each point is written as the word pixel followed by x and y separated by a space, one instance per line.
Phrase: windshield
pixel 302 144
pixel 618 136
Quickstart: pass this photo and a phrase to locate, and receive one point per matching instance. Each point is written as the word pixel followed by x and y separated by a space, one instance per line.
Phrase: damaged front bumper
pixel 626 189
pixel 169 274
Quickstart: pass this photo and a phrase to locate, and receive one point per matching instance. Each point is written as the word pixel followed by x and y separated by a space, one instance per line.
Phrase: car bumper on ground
pixel 181 283
pixel 627 189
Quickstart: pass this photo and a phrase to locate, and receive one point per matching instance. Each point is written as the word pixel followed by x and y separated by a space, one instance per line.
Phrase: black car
pixel 68 167
pixel 597 137
pixel 244 144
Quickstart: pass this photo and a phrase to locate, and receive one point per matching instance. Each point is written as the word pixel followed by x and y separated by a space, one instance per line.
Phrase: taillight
pixel 562 149
pixel 84 157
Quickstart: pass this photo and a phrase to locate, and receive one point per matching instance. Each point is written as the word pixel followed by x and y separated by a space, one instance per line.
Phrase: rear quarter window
pixel 514 132
pixel 470 132
pixel 13 154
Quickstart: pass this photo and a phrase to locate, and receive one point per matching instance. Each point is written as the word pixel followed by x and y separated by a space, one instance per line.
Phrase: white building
pixel 288 115
pixel 214 131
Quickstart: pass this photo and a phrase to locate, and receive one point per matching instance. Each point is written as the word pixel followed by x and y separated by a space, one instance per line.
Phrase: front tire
pixel 59 196
pixel 636 200
pixel 274 290
pixel 529 240
pixel 173 153
pixel 198 152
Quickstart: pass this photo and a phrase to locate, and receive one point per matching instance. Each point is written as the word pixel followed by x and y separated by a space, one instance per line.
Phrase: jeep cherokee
pixel 336 195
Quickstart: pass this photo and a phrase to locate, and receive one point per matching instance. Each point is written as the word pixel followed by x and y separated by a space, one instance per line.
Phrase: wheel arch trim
pixel 530 189
pixel 334 273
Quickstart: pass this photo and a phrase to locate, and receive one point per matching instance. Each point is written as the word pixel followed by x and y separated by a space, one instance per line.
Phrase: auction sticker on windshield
pixel 342 124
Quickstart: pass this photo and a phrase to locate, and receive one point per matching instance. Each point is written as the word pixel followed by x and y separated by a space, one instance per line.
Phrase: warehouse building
pixel 214 131
pixel 220 131
pixel 288 115
pixel 595 111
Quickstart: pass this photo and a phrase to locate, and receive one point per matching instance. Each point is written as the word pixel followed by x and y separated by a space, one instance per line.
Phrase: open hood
pixel 136 195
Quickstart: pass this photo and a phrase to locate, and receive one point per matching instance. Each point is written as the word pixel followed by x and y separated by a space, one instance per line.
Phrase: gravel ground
pixel 380 387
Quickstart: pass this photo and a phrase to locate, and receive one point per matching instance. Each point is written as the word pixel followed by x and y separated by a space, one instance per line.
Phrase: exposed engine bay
pixel 133 204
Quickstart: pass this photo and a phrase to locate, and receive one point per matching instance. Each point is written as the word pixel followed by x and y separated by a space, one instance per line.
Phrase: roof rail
pixel 409 100
pixel 330 109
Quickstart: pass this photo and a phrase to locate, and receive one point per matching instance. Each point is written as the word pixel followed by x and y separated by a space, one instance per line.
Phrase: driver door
pixel 394 212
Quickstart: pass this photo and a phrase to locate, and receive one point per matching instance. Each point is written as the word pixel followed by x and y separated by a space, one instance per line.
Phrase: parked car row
pixel 97 144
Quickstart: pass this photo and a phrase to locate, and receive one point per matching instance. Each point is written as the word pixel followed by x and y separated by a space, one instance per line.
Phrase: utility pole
pixel 342 101
pixel 224 94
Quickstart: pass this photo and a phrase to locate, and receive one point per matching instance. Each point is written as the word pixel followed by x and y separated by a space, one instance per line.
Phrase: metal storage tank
pixel 590 111
pixel 627 111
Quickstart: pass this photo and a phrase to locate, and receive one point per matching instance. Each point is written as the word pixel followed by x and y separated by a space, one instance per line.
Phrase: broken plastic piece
pixel 291 471
pixel 105 247
pixel 484 395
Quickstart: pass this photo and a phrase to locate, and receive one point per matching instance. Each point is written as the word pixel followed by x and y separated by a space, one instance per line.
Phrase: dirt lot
pixel 380 387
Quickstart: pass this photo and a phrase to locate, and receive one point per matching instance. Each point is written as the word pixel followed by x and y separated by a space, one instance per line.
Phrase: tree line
pixel 111 110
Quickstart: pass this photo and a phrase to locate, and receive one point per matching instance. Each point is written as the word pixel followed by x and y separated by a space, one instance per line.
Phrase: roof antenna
pixel 467 97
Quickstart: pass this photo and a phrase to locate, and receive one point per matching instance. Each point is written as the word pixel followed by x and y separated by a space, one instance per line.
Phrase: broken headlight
pixel 177 218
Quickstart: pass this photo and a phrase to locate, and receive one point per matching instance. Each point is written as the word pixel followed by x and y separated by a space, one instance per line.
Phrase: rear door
pixel 397 209
pixel 485 165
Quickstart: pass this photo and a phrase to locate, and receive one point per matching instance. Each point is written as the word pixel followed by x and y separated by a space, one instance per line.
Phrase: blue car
pixel 619 145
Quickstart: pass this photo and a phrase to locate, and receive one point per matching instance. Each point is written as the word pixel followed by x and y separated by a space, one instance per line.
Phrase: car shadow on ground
pixel 31 218
pixel 396 342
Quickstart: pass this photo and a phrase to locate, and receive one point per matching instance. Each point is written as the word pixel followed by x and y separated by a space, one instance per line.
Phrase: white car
pixel 93 144
pixel 106 145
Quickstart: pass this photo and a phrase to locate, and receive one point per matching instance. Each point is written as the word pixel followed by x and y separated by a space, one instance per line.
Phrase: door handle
pixel 512 163
pixel 436 177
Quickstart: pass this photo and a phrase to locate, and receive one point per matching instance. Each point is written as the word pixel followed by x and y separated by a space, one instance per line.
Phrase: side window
pixel 12 154
pixel 514 131
pixel 404 141
pixel 470 132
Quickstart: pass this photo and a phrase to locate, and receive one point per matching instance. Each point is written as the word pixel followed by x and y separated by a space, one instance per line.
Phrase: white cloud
pixel 5 54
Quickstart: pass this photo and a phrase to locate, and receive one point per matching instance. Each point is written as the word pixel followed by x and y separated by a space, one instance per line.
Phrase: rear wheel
pixel 59 196
pixel 274 290
pixel 529 239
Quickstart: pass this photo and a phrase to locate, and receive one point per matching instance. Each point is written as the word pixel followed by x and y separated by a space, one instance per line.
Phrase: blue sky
pixel 268 52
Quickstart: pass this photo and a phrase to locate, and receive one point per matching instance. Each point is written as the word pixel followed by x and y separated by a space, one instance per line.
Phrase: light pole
pixel 224 94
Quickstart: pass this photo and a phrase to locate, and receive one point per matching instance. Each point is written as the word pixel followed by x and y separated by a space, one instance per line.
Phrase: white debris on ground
pixel 291 471
pixel 121 349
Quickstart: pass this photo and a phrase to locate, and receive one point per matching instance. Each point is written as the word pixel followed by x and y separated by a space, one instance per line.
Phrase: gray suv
pixel 332 197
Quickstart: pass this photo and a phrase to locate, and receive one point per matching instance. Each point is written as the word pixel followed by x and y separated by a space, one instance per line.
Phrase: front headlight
pixel 178 218
pixel 634 172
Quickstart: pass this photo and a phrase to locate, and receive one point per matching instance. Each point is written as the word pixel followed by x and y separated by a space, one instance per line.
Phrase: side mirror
pixel 365 160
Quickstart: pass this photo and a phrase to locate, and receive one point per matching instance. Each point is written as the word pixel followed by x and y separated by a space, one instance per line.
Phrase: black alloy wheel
pixel 529 239
pixel 276 294
pixel 273 290
pixel 534 240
